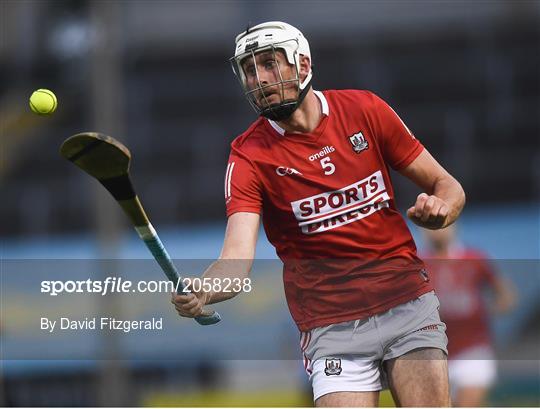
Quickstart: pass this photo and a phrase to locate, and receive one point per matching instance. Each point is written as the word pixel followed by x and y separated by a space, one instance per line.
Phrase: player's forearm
pixel 227 278
pixel 450 190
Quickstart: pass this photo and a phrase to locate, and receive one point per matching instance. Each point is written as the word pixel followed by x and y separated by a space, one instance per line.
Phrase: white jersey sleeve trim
pixel 228 177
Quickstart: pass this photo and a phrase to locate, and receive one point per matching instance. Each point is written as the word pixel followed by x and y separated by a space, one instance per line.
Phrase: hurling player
pixel 460 275
pixel 314 167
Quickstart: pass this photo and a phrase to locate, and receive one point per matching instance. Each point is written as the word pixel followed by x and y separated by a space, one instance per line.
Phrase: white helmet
pixel 271 36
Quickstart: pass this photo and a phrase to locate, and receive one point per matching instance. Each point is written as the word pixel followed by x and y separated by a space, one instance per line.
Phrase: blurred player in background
pixel 315 167
pixel 460 276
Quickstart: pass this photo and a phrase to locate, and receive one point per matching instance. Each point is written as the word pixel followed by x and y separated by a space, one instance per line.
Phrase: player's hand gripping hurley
pixel 107 160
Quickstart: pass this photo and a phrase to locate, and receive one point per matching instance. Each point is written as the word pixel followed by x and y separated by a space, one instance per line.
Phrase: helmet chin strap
pixel 283 110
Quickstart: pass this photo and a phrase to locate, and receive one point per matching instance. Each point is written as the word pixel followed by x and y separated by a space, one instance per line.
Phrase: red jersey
pixel 328 207
pixel 459 282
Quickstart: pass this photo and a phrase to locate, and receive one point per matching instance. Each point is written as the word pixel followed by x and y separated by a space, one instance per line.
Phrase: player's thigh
pixel 419 378
pixel 348 399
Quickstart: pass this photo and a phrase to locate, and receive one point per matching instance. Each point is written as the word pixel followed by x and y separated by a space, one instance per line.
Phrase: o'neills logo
pixel 324 151
pixel 333 209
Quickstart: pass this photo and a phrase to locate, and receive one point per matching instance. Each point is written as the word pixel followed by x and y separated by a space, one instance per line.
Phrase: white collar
pixel 324 107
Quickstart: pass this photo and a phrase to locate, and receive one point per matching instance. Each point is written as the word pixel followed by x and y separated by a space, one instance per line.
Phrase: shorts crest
pixel 333 366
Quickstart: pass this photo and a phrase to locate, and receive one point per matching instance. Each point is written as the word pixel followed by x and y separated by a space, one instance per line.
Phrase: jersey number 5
pixel 327 166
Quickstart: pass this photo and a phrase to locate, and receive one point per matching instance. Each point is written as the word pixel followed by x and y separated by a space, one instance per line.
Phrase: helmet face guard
pixel 258 95
pixel 270 38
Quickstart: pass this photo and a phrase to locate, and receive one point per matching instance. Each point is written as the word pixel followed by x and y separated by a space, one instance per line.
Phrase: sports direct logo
pixel 333 209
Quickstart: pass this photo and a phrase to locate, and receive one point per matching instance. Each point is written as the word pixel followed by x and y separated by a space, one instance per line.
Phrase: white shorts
pixel 475 367
pixel 349 356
